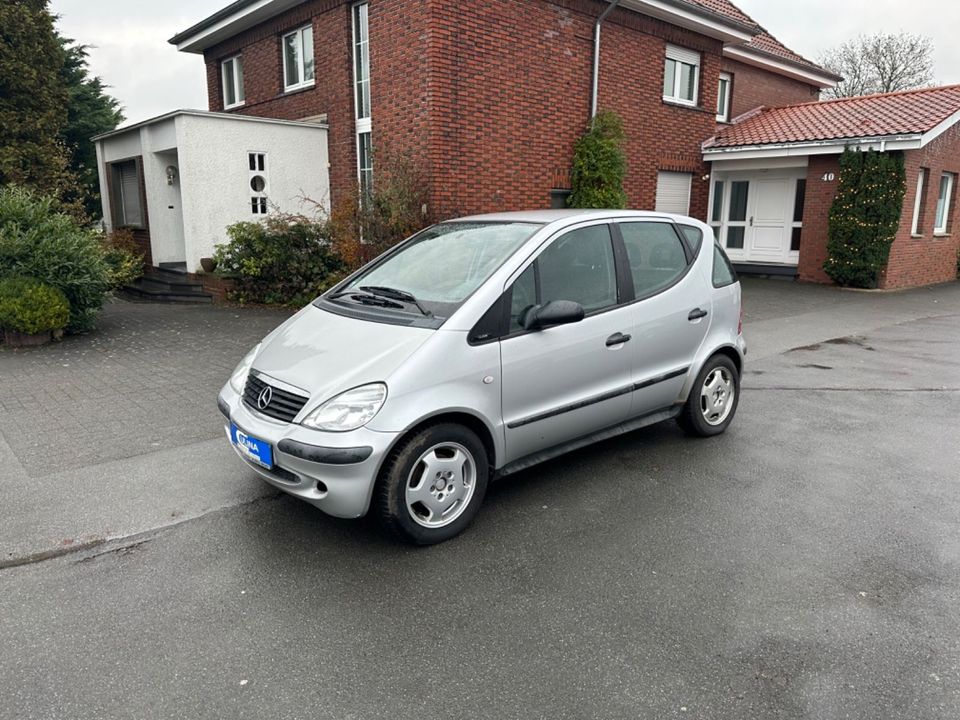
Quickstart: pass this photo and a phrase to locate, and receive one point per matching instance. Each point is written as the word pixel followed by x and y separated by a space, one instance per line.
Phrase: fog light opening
pixel 321 487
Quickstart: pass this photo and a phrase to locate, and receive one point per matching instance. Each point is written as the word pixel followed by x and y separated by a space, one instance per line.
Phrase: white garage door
pixel 673 192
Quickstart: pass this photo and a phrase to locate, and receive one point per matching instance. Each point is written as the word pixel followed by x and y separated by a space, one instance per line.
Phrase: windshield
pixel 435 271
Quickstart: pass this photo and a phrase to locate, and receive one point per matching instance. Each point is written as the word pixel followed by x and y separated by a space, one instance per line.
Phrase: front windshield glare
pixel 442 266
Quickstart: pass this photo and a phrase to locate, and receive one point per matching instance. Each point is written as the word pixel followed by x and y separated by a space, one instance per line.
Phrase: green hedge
pixel 28 306
pixel 39 242
pixel 283 260
pixel 864 217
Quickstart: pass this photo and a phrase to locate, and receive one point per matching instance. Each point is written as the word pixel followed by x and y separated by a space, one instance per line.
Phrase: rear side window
pixel 578 266
pixel 694 237
pixel 723 272
pixel 656 255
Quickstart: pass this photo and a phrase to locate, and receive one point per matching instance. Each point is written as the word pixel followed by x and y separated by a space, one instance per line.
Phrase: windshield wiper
pixel 367 298
pixel 394 294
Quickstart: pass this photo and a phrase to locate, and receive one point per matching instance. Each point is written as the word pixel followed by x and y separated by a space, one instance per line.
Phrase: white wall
pixel 215 174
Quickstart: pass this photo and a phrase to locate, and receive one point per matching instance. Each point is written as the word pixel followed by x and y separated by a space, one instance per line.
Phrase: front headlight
pixel 239 377
pixel 348 411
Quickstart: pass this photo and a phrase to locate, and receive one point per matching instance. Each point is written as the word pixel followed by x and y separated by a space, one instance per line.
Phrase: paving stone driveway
pixel 146 378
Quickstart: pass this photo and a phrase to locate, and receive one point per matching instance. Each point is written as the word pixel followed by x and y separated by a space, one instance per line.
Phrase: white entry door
pixel 768 239
pixel 758 216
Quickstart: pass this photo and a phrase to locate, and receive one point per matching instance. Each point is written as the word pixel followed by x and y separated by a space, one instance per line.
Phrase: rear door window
pixel 656 255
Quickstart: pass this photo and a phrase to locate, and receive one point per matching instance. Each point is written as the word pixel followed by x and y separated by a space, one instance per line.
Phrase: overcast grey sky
pixel 150 77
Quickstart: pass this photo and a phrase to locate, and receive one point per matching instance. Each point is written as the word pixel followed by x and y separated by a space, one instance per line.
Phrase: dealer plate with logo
pixel 254 449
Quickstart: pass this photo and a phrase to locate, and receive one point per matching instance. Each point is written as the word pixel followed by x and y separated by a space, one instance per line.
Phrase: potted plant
pixel 31 312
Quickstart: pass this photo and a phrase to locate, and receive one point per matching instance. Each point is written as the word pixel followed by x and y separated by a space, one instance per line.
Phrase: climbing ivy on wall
pixel 864 216
pixel 599 165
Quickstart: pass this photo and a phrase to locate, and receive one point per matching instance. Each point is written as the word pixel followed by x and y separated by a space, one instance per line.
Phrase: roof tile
pixel 901 113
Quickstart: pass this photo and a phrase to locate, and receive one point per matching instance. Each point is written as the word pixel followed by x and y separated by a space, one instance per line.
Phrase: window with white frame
pixel 723 97
pixel 917 225
pixel 361 81
pixel 943 204
pixel 298 71
pixel 681 76
pixel 127 199
pixel 232 76
pixel 257 163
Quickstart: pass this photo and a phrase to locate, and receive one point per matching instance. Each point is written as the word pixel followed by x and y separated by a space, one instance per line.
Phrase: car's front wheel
pixel 713 398
pixel 432 485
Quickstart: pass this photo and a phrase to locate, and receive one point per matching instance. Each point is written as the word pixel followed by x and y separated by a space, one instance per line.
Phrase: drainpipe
pixel 596 57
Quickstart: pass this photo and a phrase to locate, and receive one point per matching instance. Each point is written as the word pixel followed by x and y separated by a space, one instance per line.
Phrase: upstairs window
pixel 723 97
pixel 943 204
pixel 361 59
pixel 232 75
pixel 298 59
pixel 681 76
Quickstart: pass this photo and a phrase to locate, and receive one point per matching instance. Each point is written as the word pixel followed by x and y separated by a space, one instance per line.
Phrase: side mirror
pixel 555 312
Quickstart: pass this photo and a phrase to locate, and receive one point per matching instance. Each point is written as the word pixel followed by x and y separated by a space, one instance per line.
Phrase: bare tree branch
pixel 880 63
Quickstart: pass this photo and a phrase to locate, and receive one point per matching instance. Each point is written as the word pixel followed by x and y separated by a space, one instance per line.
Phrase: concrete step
pixel 146 290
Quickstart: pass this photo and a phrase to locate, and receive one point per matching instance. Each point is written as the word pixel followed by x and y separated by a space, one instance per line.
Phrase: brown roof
pixel 910 112
pixel 764 42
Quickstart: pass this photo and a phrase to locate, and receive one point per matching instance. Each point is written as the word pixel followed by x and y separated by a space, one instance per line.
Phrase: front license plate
pixel 254 449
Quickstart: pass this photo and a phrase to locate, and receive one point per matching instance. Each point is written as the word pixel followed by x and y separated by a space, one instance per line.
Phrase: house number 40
pixel 829 177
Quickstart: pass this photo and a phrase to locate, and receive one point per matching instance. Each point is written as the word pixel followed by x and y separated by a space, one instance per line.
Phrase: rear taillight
pixel 740 322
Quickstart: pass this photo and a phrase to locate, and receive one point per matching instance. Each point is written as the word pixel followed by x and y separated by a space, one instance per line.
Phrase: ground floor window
pixel 673 192
pixel 257 162
pixel 918 202
pixel 127 198
pixel 943 203
pixel 365 161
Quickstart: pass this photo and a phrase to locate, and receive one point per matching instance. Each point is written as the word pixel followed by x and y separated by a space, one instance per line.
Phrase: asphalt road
pixel 804 565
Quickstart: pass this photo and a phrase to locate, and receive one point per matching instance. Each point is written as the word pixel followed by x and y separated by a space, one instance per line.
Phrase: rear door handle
pixel 696 314
pixel 617 339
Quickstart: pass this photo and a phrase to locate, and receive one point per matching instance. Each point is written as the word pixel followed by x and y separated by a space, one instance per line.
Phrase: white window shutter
pixel 130 192
pixel 673 192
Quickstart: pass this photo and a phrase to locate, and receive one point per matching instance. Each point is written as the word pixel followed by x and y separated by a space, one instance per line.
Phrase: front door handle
pixel 617 339
pixel 696 314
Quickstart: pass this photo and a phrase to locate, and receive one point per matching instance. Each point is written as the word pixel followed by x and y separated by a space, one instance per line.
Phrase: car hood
pixel 326 354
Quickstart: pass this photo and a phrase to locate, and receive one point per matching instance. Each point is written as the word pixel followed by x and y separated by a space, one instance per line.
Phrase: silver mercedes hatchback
pixel 482 346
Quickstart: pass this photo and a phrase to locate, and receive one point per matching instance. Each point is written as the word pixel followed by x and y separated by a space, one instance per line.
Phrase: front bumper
pixel 334 472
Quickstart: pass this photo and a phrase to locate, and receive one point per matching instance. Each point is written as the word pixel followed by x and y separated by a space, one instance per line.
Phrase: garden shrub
pixel 123 258
pixel 28 306
pixel 864 217
pixel 599 165
pixel 392 211
pixel 282 260
pixel 38 241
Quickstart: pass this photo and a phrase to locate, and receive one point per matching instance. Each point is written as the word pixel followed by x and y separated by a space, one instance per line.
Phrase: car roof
pixel 570 215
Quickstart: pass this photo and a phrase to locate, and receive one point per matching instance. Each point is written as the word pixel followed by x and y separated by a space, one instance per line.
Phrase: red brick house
pixel 788 157
pixel 489 96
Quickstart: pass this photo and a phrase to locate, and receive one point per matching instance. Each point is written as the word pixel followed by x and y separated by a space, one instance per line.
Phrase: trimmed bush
pixel 864 217
pixel 38 241
pixel 283 260
pixel 599 165
pixel 123 258
pixel 30 307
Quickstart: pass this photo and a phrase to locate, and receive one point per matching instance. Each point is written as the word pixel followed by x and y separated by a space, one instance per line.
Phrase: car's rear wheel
pixel 713 398
pixel 433 484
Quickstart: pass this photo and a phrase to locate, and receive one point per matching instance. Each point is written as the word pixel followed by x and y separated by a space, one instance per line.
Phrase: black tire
pixel 397 474
pixel 693 419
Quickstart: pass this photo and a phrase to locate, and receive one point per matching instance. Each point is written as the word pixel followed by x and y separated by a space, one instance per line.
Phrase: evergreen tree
pixel 90 111
pixel 33 98
pixel 865 216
